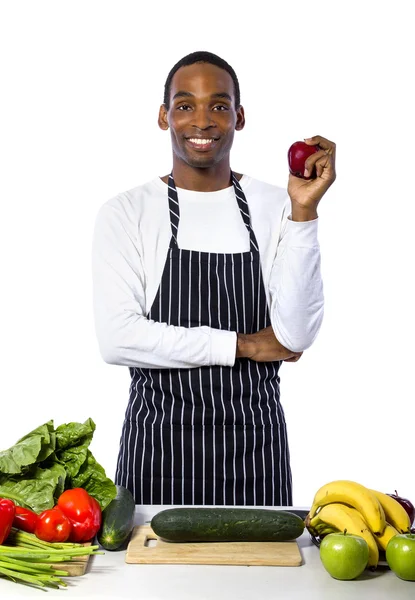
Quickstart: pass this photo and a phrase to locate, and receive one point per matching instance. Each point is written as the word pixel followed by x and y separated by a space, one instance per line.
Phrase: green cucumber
pixel 227 525
pixel 117 520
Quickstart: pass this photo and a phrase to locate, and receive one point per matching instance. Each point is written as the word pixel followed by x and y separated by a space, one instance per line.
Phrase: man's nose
pixel 203 118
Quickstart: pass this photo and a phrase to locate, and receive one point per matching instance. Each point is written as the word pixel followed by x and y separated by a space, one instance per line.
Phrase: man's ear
pixel 162 120
pixel 240 119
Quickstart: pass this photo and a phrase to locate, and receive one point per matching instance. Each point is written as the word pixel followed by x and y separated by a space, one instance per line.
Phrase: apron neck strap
pixel 244 210
pixel 174 211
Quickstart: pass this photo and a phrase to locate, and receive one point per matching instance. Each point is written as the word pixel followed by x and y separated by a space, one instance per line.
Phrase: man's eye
pixel 186 106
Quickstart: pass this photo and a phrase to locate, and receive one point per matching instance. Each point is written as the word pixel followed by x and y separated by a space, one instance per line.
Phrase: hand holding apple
pixel 305 190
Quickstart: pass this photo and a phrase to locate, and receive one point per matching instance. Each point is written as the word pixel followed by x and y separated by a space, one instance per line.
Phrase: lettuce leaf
pixel 74 434
pixel 91 476
pixel 38 489
pixel 72 442
pixel 34 447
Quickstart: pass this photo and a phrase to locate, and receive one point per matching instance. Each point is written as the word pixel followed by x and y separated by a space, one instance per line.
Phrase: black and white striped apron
pixel 209 435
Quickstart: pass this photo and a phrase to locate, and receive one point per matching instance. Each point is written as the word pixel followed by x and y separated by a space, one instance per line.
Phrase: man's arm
pixel 296 312
pixel 125 335
pixel 296 289
pixel 296 286
pixel 296 296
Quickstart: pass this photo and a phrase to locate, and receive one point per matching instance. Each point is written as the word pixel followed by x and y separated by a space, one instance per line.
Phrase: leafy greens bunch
pixel 45 462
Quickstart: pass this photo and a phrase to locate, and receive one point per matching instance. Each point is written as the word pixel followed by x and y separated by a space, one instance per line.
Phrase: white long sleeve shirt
pixel 130 245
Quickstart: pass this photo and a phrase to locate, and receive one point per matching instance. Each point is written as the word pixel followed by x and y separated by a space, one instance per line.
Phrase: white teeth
pixel 201 142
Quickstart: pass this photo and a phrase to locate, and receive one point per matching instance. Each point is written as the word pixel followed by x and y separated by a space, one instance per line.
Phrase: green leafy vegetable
pixel 92 478
pixel 34 447
pixel 75 434
pixel 38 488
pixel 45 462
pixel 72 443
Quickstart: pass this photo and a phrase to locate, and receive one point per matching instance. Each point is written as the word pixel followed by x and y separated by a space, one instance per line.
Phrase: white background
pixel 82 82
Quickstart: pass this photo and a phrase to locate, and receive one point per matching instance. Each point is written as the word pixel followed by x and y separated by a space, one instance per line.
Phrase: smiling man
pixel 205 281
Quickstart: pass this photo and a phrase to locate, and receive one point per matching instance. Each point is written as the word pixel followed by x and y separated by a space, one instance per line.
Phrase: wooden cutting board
pixel 146 548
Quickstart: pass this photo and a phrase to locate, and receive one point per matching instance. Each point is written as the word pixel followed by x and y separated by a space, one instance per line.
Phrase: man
pixel 205 281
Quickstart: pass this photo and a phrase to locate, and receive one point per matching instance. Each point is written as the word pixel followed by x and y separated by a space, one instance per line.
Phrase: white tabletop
pixel 108 576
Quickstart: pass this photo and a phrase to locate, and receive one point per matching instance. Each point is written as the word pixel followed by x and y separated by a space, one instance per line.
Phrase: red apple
pixel 407 504
pixel 297 155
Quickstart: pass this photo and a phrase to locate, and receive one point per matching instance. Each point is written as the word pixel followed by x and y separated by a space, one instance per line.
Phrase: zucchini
pixel 117 520
pixel 227 525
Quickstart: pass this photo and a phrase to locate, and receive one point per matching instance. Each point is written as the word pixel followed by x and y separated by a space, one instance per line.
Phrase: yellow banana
pixel 318 527
pixel 343 517
pixel 312 523
pixel 355 495
pixel 395 514
pixel 323 529
pixel 388 534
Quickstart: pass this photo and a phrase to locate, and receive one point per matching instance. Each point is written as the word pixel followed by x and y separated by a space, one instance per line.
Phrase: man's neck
pixel 202 180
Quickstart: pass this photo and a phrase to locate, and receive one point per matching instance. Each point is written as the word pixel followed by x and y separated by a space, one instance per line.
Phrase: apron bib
pixel 209 435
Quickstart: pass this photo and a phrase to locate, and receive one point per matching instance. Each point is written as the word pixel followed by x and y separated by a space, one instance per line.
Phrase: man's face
pixel 202 116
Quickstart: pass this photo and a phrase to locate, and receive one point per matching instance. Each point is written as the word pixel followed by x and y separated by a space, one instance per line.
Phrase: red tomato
pixel 53 526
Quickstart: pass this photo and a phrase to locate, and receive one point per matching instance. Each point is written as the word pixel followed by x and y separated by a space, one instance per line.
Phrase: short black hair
pixel 202 57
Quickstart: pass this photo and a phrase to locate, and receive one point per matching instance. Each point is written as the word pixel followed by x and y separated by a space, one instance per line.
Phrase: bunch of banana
pixel 347 505
pixel 339 517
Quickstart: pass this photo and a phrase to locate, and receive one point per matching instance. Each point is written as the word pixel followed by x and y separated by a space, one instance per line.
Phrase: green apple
pixel 400 555
pixel 344 556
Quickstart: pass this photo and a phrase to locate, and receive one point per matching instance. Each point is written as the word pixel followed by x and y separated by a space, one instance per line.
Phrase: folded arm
pixel 125 335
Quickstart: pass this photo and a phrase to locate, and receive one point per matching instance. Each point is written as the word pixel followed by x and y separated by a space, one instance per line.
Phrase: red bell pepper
pixel 84 513
pixel 52 526
pixel 7 512
pixel 25 519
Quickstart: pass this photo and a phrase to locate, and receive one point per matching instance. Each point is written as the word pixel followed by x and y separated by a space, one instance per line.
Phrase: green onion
pixel 38 580
pixel 12 563
pixel 21 537
pixel 30 560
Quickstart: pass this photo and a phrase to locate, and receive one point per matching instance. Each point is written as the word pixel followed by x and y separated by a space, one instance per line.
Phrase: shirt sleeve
pixel 125 335
pixel 296 287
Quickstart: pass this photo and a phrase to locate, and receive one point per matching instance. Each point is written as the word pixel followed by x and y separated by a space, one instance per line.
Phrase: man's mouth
pixel 202 143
